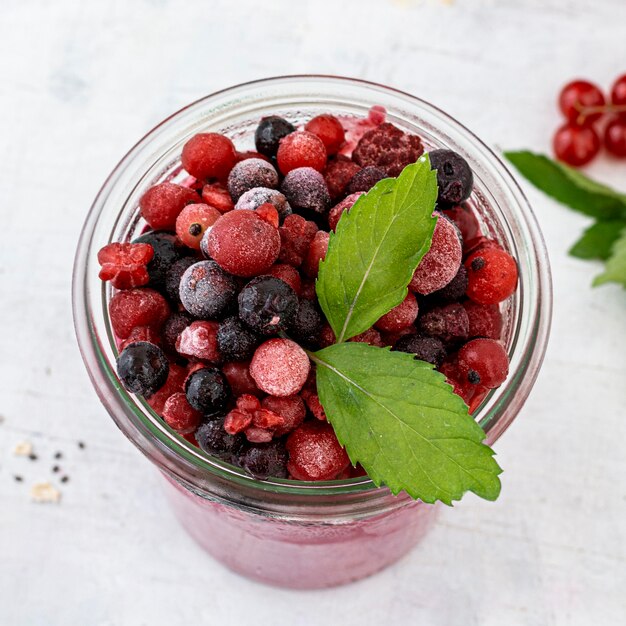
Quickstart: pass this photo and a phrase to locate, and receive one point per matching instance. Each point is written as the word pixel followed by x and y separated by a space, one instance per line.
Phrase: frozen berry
pixel 167 250
pixel 576 145
pixel 268 213
pixel 483 362
pixel 251 154
pixel 192 221
pixel 207 291
pixel 401 316
pixel 137 307
pixel 315 453
pixel 141 333
pixel 441 263
pixel 288 273
pixel 464 219
pixel 307 291
pixel 577 96
pixel 301 149
pixel 236 341
pixel 207 390
pixel 180 415
pixel 269 132
pixel 338 173
pixel 258 435
pixel 238 376
pixel 365 179
pixel 243 244
pixel 454 290
pixel 329 129
pixel 306 325
pixel 479 243
pixel 615 137
pixel 142 368
pixel 305 189
pixel 174 275
pixel 296 235
pixel 199 340
pixel 175 324
pixel 213 439
pixel 316 253
pixel 162 203
pixel 290 408
pixel 618 91
pixel 209 155
pixel 336 212
pixel 454 176
pixel 267 305
pixel 371 337
pixel 249 174
pixel 313 403
pixel 254 198
pixel 174 383
pixel 485 320
pixel 280 367
pixel 448 323
pixel 327 336
pixel 492 275
pixel 265 460
pixel 429 349
pixel 216 195
pixel 389 148
pixel 124 264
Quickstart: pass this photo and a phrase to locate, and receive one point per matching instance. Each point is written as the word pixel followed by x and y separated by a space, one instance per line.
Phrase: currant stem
pixel 585 112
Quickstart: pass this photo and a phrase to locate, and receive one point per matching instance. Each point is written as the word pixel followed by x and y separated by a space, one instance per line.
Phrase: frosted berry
pixel 237 374
pixel 193 221
pixel 236 342
pixel 296 235
pixel 249 174
pixel 485 320
pixel 207 291
pixel 576 145
pixel 454 290
pixel 124 264
pixel 454 176
pixel 280 367
pixel 167 250
pixel 305 189
pixel 371 337
pixel 243 244
pixel 316 253
pixel 267 305
pixel 336 212
pixel 265 460
pixel 577 96
pixel 313 403
pixel 137 307
pixel 213 439
pixel 315 453
pixel 180 415
pixel 464 219
pixel 216 195
pixel 301 149
pixel 429 349
pixel 338 173
pixel 254 198
pixel 287 273
pixel 142 367
pixel 174 275
pixel 199 341
pixel 492 275
pixel 207 390
pixel 269 132
pixel 175 324
pixel 448 323
pixel 329 129
pixel 268 213
pixel 208 156
pixel 615 136
pixel 306 324
pixel 162 203
pixel 307 291
pixel 365 179
pixel 441 263
pixel 251 154
pixel 483 362
pixel 401 316
pixel 290 408
pixel 141 333
pixel 174 383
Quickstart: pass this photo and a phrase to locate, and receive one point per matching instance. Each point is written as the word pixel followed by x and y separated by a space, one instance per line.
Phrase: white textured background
pixel 80 82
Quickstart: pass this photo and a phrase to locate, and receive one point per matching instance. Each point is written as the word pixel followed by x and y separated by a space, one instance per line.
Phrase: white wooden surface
pixel 79 83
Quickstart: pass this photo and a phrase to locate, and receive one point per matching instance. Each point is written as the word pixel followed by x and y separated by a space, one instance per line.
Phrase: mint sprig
pixel 396 416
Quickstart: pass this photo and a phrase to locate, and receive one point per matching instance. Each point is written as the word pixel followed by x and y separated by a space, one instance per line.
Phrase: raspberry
pixel 209 155
pixel 243 244
pixel 371 336
pixel 314 405
pixel 174 275
pixel 290 408
pixel 207 390
pixel 301 149
pixel 389 148
pixel 305 189
pixel 329 129
pixel 141 333
pixel 338 173
pixel 296 235
pixel 175 324
pixel 315 453
pixel 174 383
pixel 267 305
pixel 162 203
pixel 483 362
pixel 199 340
pixel 288 274
pixel 238 377
pixel 336 212
pixel 213 439
pixel 167 250
pixel 254 198
pixel 268 213
pixel 249 174
pixel 441 263
pixel 464 219
pixel 492 275
pixel 142 367
pixel 365 179
pixel 269 132
pixel 124 264
pixel 207 291
pixel 454 290
pixel 429 349
pixel 401 316
pixel 265 460
pixel 454 176
pixel 137 307
pixel 485 320
pixel 448 323
pixel 306 324
pixel 180 415
pixel 192 221
pixel 280 367
pixel 216 195
pixel 317 252
pixel 236 342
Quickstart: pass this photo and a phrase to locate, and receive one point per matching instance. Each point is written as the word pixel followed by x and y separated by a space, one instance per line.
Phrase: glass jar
pixel 289 533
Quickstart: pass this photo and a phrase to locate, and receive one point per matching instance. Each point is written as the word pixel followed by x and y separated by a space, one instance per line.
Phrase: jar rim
pixel 187 463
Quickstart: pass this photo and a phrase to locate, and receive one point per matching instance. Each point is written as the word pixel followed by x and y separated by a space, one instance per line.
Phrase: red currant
pixel 483 362
pixel 492 275
pixel 576 145
pixel 209 155
pixel 193 220
pixel 301 149
pixel 615 137
pixel 578 95
pixel 329 129
pixel 618 91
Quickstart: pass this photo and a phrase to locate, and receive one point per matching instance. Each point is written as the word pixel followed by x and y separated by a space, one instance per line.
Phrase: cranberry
pixel 483 362
pixel 400 316
pixel 492 275
pixel 217 195
pixel 192 221
pixel 576 145
pixel 209 155
pixel 280 367
pixel 137 307
pixel 317 252
pixel 238 376
pixel 161 204
pixel 578 95
pixel 125 264
pixel 329 129
pixel 180 415
pixel 301 149
pixel 615 137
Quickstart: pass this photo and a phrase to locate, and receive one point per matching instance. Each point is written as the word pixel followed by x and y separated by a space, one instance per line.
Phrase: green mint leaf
pixel 399 418
pixel 376 248
pixel 569 186
pixel 615 267
pixel 596 242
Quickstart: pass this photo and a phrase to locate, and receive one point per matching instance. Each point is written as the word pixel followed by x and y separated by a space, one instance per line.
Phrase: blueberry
pixel 142 368
pixel 269 132
pixel 448 323
pixel 454 290
pixel 267 305
pixel 212 438
pixel 251 173
pixel 365 179
pixel 236 342
pixel 174 325
pixel 265 460
pixel 174 274
pixel 207 291
pixel 257 196
pixel 167 250
pixel 306 325
pixel 208 390
pixel 429 349
pixel 454 176
pixel 306 190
